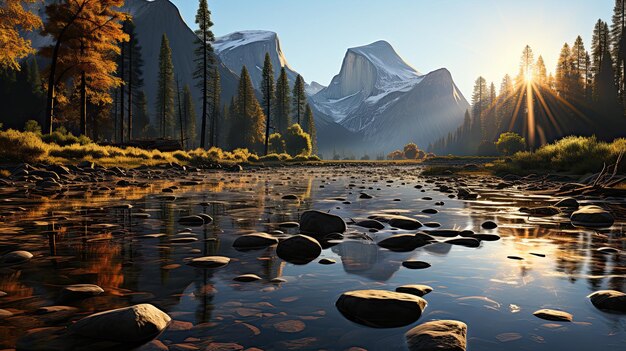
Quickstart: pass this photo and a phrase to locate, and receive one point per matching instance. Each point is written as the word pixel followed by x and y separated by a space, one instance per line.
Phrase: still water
pixel 92 237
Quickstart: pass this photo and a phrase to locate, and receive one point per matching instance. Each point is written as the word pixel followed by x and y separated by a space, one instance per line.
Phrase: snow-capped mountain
pixel 249 48
pixel 388 102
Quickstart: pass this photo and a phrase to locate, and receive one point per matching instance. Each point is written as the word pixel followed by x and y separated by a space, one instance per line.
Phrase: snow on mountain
pixel 388 102
pixel 313 88
pixel 248 48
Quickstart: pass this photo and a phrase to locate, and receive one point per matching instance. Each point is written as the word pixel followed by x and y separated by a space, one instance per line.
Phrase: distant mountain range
pixel 375 104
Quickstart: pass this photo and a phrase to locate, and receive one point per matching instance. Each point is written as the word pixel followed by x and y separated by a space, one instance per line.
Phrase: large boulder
pixel 254 241
pixel 134 324
pixel 299 249
pixel 592 216
pixel 15 257
pixel 380 308
pixel 321 223
pixel 610 300
pixel 444 335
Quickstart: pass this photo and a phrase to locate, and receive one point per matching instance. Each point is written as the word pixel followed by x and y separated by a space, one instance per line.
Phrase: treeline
pixel 93 85
pixel 585 96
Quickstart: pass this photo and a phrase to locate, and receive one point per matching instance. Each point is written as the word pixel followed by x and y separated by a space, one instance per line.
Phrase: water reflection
pixel 138 253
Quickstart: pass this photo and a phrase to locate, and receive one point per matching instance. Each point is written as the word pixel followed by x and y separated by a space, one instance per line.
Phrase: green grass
pixel 574 155
pixel 64 148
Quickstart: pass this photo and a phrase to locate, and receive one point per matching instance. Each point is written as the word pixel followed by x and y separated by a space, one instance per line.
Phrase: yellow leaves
pixel 13 18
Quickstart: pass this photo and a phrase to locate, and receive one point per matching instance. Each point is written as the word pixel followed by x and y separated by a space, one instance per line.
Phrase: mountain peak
pixel 383 56
pixel 241 38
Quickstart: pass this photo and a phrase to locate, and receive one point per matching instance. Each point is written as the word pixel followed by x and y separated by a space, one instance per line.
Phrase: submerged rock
pixel 134 324
pixel 592 216
pixel 414 289
pixel 80 291
pixel 554 315
pixel 209 262
pixel 299 249
pixel 195 221
pixel 256 240
pixel 610 300
pixel 321 223
pixel 16 257
pixel 380 308
pixel 444 335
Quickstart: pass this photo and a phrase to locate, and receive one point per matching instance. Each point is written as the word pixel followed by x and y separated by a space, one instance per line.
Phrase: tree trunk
pixel 268 99
pixel 51 89
pixel 180 117
pixel 130 90
pixel 83 97
pixel 204 83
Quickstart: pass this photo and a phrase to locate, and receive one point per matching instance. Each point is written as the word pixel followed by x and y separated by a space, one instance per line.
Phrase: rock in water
pixel 568 203
pixel 209 262
pixel 403 242
pixel 195 221
pixel 406 223
pixel 16 257
pixel 610 300
pixel 414 289
pixel 80 291
pixel 321 223
pixel 554 315
pixel 253 241
pixel 380 308
pixel 299 249
pixel 592 216
pixel 444 335
pixel 489 225
pixel 134 324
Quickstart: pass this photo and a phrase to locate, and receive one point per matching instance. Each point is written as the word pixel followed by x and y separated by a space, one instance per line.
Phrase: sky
pixel 470 38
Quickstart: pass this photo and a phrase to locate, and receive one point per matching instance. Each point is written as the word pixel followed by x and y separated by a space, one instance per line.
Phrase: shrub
pixel 276 144
pixel 275 157
pixel 32 126
pixel 62 137
pixel 395 155
pixel 297 142
pixel 509 143
pixel 23 147
pixel 410 151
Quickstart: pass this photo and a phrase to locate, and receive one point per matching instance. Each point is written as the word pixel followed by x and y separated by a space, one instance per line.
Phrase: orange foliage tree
pixel 13 18
pixel 85 35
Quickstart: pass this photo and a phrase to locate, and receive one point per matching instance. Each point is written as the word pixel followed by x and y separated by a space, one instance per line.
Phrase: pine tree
pixel 165 96
pixel 527 63
pixel 565 73
pixel 541 73
pixel 267 90
pixel 248 122
pixel 189 112
pixel 141 118
pixel 507 106
pixel 618 44
pixel 215 104
pixel 309 126
pixel 134 66
pixel 480 101
pixel 13 20
pixel 282 105
pixel 299 99
pixel 599 44
pixel 180 121
pixel 205 60
pixel 578 61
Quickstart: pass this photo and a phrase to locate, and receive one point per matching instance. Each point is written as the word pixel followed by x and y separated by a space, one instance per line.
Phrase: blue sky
pixel 468 37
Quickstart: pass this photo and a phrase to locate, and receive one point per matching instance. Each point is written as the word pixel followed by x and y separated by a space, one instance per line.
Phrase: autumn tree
pixel 84 34
pixel 14 18
pixel 282 106
pixel 165 90
pixel 267 90
pixel 299 99
pixel 205 60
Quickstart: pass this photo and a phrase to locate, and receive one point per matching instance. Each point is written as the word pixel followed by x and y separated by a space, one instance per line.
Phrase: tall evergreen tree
pixel 215 104
pixel 618 44
pixel 205 60
pixel 599 44
pixel 309 127
pixel 527 63
pixel 165 96
pixel 541 73
pixel 578 62
pixel 134 67
pixel 282 105
pixel 299 99
pixel 565 76
pixel 141 118
pixel 189 112
pixel 267 90
pixel 247 130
